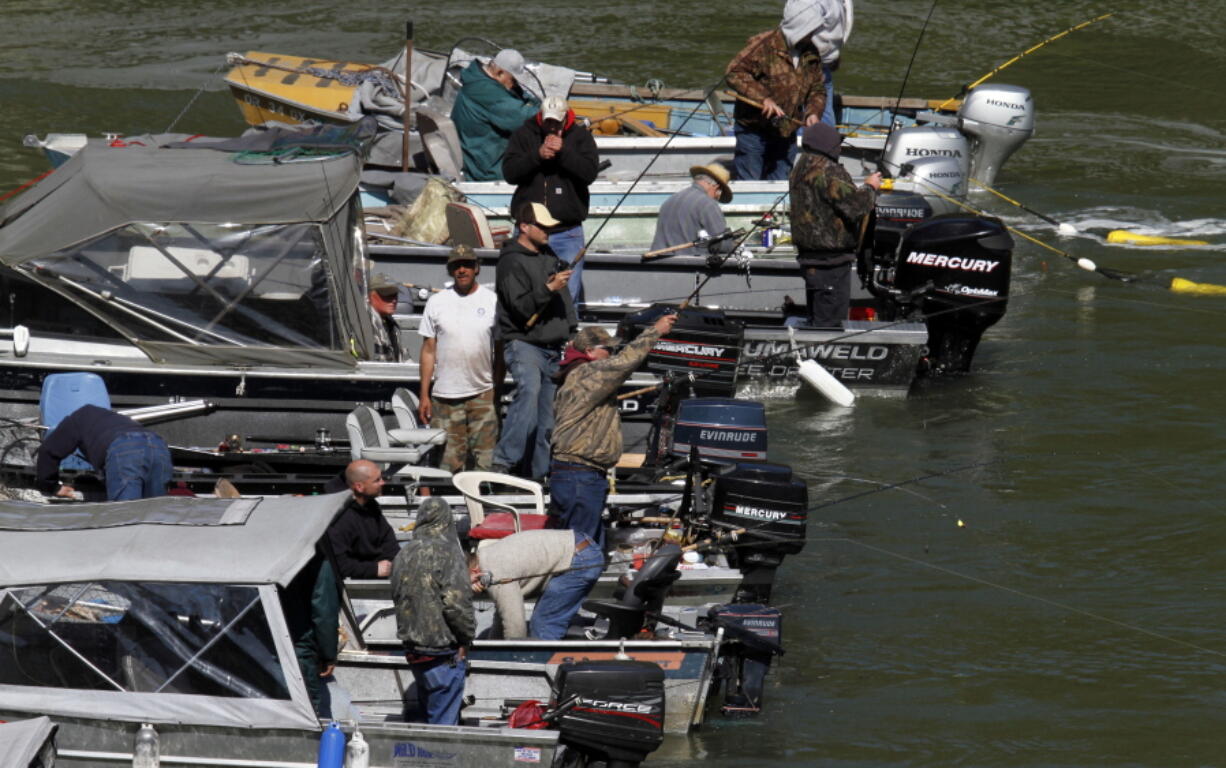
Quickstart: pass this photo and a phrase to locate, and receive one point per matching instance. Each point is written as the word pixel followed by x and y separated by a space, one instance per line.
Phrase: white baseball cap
pixel 512 61
pixel 554 108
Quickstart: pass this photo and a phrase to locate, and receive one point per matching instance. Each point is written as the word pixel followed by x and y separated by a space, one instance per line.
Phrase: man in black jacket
pixel 531 282
pixel 135 461
pixel 552 160
pixel 362 541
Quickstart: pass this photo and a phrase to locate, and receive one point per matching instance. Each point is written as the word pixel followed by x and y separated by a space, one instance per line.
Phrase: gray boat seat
pixel 368 439
pixel 467 225
pixel 441 141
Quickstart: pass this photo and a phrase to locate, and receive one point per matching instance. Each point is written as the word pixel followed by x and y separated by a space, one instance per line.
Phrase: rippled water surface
pixel 1014 568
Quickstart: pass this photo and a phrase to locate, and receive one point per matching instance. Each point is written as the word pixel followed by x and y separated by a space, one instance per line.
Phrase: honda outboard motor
pixel 952 271
pixel 752 637
pixel 998 119
pixel 917 142
pixel 703 341
pixel 611 710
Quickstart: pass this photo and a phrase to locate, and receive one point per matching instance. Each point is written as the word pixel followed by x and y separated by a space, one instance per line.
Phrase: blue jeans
pixel 761 156
pixel 567 245
pixel 529 423
pixel 576 496
pixel 560 600
pixel 137 467
pixel 828 112
pixel 440 688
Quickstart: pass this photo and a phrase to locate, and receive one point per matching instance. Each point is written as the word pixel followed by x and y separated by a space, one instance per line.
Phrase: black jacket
pixel 90 428
pixel 360 538
pixel 561 183
pixel 520 283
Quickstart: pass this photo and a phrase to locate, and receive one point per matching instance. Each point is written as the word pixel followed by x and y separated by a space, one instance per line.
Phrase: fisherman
pixel 560 566
pixel 362 541
pixel 490 106
pixel 531 282
pixel 434 612
pixel 828 213
pixel 135 461
pixel 587 440
pixel 692 211
pixel 457 365
pixel 383 296
pixel 552 160
pixel 781 70
pixel 312 604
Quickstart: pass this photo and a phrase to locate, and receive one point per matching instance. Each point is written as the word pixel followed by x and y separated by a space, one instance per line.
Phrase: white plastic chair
pixel 368 439
pixel 506 519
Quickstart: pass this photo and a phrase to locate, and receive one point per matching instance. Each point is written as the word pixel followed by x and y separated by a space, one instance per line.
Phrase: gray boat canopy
pixel 204 251
pixel 168 539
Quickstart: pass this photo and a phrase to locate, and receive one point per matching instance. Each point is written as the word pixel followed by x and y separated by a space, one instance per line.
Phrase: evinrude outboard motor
pixel 953 272
pixel 716 428
pixel 752 638
pixel 611 710
pixel 998 119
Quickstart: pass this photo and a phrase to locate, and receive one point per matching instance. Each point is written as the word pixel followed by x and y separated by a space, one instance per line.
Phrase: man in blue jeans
pixel 587 440
pixel 535 317
pixel 135 461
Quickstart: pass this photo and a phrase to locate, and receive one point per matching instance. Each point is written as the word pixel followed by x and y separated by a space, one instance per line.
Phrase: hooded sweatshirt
pixel 430 587
pixel 520 284
pixel 823 22
pixel 485 115
pixel 560 183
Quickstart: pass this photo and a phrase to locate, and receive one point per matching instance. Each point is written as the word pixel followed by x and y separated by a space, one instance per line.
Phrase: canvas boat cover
pixel 21 741
pixel 242 541
pixel 171 177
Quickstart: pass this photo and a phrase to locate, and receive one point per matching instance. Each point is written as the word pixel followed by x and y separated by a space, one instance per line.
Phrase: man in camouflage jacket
pixel 828 211
pixel 434 611
pixel 587 434
pixel 781 70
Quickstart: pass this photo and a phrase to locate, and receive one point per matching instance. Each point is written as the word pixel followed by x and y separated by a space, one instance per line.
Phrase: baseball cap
pixel 535 213
pixel 461 253
pixel 554 108
pixel 384 285
pixel 512 61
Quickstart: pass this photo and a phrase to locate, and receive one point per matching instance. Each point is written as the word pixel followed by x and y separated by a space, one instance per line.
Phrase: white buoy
pixel 1086 264
pixel 1066 229
pixel 812 373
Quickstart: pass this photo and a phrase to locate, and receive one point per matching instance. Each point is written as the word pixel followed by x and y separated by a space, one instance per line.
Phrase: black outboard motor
pixel 753 633
pixel 627 615
pixel 703 341
pixel 950 270
pixel 611 710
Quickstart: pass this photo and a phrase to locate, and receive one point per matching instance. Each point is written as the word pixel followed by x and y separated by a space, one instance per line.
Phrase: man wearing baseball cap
pixel 535 317
pixel 457 365
pixel 491 104
pixel 587 438
pixel 552 160
pixel 383 294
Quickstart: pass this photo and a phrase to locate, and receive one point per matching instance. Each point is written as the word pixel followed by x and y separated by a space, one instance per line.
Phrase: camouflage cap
pixel 462 253
pixel 384 285
pixel 591 337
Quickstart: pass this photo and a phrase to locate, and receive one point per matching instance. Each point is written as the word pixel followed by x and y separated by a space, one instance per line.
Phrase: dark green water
pixel 1051 596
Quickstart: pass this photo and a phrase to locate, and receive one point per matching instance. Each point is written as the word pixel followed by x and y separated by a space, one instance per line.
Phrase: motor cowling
pixel 998 119
pixel 753 635
pixel 612 709
pixel 917 142
pixel 720 429
pixel 703 342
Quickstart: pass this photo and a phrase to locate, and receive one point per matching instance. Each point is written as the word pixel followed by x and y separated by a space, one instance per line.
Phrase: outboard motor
pixel 703 341
pixel 627 615
pixel 917 142
pixel 952 271
pixel 611 710
pixel 998 119
pixel 752 637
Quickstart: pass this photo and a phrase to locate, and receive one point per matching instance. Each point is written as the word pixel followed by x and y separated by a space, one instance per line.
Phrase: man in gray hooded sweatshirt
pixel 434 611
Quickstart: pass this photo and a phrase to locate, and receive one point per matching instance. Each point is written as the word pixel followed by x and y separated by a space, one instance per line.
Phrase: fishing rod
pixel 609 217
pixel 902 89
pixel 1015 59
pixel 1115 236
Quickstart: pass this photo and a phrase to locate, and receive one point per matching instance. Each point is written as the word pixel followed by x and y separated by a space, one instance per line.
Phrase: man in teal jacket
pixel 491 105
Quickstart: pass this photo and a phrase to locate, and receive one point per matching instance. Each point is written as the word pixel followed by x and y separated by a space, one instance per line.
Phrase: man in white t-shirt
pixel 457 365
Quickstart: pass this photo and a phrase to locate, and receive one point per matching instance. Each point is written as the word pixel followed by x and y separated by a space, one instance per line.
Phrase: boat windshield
pixel 229 285
pixel 203 639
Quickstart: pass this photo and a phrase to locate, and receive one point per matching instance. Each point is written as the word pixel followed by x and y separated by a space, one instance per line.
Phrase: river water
pixel 1011 568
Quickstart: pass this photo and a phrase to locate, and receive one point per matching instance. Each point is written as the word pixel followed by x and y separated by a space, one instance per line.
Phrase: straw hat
pixel 721 176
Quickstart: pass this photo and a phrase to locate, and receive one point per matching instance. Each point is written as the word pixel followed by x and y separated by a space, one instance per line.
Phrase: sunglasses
pixel 455 265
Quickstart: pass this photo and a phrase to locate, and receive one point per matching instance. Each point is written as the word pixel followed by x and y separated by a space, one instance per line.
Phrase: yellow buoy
pixel 1180 285
pixel 1124 237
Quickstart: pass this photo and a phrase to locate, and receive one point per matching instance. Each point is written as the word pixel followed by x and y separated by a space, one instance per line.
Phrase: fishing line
pixel 902 89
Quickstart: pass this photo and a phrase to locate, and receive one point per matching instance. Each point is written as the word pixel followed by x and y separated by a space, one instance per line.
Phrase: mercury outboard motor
pixel 703 341
pixel 953 272
pixel 611 710
pixel 998 119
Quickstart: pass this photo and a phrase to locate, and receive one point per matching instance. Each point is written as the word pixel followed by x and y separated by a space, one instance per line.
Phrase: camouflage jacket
pixel 587 425
pixel 386 339
pixel 827 208
pixel 763 69
pixel 430 587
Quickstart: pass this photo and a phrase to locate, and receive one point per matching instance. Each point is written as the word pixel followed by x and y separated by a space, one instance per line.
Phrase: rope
pixel 195 96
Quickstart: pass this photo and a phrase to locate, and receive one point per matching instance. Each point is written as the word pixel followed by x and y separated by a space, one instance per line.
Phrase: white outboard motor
pixel 917 142
pixel 999 119
pixel 929 176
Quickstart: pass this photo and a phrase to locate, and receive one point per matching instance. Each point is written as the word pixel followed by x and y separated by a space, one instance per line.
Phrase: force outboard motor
pixel 998 119
pixel 611 710
pixel 752 636
pixel 916 142
pixel 954 271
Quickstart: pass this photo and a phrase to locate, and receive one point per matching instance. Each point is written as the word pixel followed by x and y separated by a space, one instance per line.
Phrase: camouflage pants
pixel 472 430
